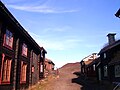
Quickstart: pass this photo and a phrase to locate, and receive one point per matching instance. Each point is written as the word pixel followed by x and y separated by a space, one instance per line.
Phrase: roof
pixel 97 60
pixel 118 13
pixel 108 47
pixel 9 16
pixel 90 57
pixel 87 62
pixel 43 49
pixel 49 61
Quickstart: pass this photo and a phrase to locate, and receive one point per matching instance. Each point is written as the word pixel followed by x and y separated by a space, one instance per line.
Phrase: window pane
pixel 105 70
pixel 7 32
pixel 41 68
pixel 6 70
pixel 24 49
pixel 8 38
pixel 23 71
pixel 117 70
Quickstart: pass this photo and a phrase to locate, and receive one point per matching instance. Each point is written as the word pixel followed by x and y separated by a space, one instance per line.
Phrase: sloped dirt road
pixel 61 82
pixel 64 81
pixel 69 78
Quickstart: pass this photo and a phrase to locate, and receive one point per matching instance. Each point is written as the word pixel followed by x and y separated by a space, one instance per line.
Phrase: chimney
pixel 118 13
pixel 111 38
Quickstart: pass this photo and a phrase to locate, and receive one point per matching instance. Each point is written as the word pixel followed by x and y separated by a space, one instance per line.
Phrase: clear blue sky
pixel 68 29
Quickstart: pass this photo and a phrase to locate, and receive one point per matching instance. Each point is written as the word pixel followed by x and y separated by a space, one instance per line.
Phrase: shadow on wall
pixel 88 83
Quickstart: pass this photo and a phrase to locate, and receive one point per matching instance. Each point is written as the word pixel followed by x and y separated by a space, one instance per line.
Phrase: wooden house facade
pixel 107 66
pixel 87 65
pixel 110 60
pixel 49 66
pixel 21 58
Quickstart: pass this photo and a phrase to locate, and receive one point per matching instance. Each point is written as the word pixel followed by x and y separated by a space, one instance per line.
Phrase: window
pixel 88 69
pixel 6 70
pixel 83 70
pixel 42 53
pixel 33 69
pixel 104 55
pixel 117 70
pixel 41 68
pixel 8 39
pixel 94 67
pixel 24 49
pixel 105 71
pixel 23 72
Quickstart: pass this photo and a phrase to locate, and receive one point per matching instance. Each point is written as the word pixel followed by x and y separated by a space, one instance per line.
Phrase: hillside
pixel 70 67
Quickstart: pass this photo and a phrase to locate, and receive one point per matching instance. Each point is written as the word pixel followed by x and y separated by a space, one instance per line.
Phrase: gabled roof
pixel 43 50
pixel 108 47
pixel 118 13
pixel 89 57
pixel 97 60
pixel 49 61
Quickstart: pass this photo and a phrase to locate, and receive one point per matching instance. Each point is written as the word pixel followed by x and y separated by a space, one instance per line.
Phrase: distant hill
pixel 71 67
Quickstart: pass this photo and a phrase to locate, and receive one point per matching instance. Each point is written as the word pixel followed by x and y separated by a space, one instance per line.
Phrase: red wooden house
pixel 21 58
pixel 49 66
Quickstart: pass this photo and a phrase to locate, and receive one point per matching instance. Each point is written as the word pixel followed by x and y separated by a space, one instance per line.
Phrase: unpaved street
pixel 68 80
pixel 64 81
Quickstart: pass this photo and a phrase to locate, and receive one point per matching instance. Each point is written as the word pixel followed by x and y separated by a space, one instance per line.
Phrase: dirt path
pixel 64 81
pixel 70 79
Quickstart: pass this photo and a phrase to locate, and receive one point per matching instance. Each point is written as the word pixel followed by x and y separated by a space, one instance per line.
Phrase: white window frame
pixel 117 70
pixel 105 71
pixel 94 67
pixel 105 55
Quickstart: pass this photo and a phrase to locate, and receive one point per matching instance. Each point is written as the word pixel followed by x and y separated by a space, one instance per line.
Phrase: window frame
pixel 24 50
pixel 117 71
pixel 105 71
pixel 23 74
pixel 104 55
pixel 8 36
pixel 94 67
pixel 6 69
pixel 33 68
pixel 41 68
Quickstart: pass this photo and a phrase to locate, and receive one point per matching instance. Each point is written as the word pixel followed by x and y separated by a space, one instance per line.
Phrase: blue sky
pixel 68 29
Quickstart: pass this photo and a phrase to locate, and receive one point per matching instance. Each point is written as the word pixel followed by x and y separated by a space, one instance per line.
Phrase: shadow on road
pixel 88 84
